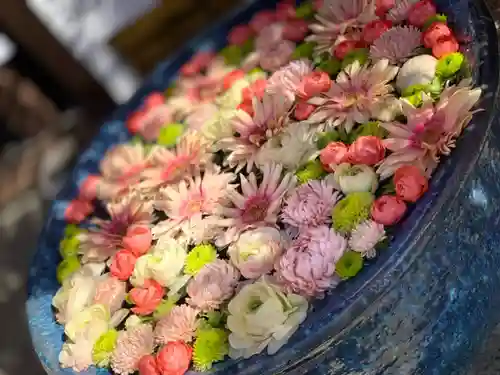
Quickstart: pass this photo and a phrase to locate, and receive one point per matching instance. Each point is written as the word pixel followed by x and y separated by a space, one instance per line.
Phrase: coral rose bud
pixel 295 30
pixel 388 210
pixel 303 110
pixel 154 100
pixel 410 183
pixel 138 239
pixel 231 77
pixel 147 366
pixel 146 298
pixel 134 122
pixel 333 154
pixel 421 12
pixel 444 46
pixel 285 11
pixel 78 210
pixel 434 32
pixel 367 150
pixel 314 83
pixel 262 19
pixel 174 358
pixel 122 265
pixel 239 35
pixel 89 186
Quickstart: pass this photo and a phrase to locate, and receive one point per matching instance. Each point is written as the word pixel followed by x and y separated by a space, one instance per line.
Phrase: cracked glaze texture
pixel 422 307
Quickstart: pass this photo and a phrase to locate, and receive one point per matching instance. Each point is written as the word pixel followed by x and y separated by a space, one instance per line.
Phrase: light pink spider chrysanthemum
pixel 400 11
pixel 337 16
pixel 270 118
pixel 357 91
pixel 131 346
pixel 259 203
pixel 192 154
pixel 212 285
pixel 191 206
pixel 310 204
pixel 397 44
pixel 365 237
pixel 430 131
pixel 102 241
pixel 180 324
pixel 288 79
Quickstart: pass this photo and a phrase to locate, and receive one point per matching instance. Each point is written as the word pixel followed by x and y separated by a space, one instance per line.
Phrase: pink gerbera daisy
pixel 397 44
pixel 258 204
pixel 191 204
pixel 270 118
pixel 430 131
pixel 357 92
pixel 105 239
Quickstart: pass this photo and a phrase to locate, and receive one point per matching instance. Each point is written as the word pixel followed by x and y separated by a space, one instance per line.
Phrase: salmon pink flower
pixel 374 30
pixel 367 150
pixel 89 187
pixel 122 264
pixel 410 183
pixel 285 11
pixel 333 154
pixel 303 110
pixel 138 239
pixel 199 61
pixel 151 118
pixel 314 84
pixel 388 210
pixel 146 298
pixel 174 358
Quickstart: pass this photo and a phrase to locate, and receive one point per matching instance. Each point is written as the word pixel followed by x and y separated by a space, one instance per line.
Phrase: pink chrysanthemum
pixel 131 346
pixel 288 79
pixel 259 203
pixel 191 206
pixel 270 118
pixel 365 237
pixel 335 17
pixel 430 131
pixel 400 11
pixel 308 267
pixel 180 324
pixel 103 241
pixel 191 155
pixel 310 204
pixel 357 92
pixel 212 285
pixel 397 44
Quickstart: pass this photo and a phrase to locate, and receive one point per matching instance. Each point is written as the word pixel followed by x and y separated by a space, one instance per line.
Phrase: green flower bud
pixel 305 10
pixel 325 138
pixel 103 348
pixel 169 134
pixel 349 265
pixel 435 18
pixel 449 65
pixel 351 211
pixel 67 267
pixel 358 54
pixel 331 66
pixel 313 170
pixel 233 55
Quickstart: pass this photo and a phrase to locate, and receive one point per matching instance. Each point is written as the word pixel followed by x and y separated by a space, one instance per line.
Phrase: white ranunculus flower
pixel 419 70
pixel 89 324
pixel 261 316
pixel 255 251
pixel 356 178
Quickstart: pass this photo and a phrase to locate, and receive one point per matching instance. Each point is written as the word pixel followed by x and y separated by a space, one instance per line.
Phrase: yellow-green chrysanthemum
pixel 313 170
pixel 211 345
pixel 103 348
pixel 67 267
pixel 198 257
pixel 351 211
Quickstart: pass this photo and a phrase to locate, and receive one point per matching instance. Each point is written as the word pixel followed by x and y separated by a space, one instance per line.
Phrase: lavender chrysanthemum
pixel 400 11
pixel 131 346
pixel 365 237
pixel 397 44
pixel 310 205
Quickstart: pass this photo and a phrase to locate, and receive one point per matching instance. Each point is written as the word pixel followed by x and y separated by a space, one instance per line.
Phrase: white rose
pixel 356 178
pixel 88 324
pixel 419 70
pixel 132 321
pixel 255 251
pixel 261 316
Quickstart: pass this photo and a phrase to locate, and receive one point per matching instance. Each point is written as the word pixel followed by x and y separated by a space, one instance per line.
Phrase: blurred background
pixel 65 65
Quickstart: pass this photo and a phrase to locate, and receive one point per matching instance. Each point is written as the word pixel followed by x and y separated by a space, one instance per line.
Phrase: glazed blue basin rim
pixel 334 338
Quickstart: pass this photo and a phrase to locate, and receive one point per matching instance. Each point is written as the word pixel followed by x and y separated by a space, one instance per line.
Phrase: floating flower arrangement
pixel 267 174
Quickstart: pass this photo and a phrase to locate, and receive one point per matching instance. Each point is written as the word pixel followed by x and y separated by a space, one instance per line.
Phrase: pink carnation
pixel 212 285
pixel 131 346
pixel 179 325
pixel 310 204
pixel 111 292
pixel 308 266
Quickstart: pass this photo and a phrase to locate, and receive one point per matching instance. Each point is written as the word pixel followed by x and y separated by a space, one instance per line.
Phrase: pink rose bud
pixel 122 264
pixel 174 358
pixel 78 210
pixel 420 12
pixel 333 154
pixel 303 110
pixel 88 189
pixel 154 99
pixel 138 239
pixel 388 210
pixel 147 366
pixel 295 30
pixel 231 77
pixel 410 183
pixel 146 298
pixel 239 35
pixel 367 150
pixel 262 19
pixel 285 11
pixel 135 121
pixel 314 83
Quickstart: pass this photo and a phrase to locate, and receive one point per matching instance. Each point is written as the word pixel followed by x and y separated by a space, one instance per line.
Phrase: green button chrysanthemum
pixel 449 65
pixel 211 345
pixel 103 348
pixel 169 134
pixel 69 246
pixel 198 257
pixel 349 265
pixel 313 170
pixel 351 211
pixel 68 266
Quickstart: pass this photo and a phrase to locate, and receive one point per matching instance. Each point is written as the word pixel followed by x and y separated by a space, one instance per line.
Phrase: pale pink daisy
pixel 365 237
pixel 192 154
pixel 180 324
pixel 106 238
pixel 288 79
pixel 430 131
pixel 191 206
pixel 356 93
pixel 400 11
pixel 131 346
pixel 337 16
pixel 397 44
pixel 310 204
pixel 271 116
pixel 212 285
pixel 258 204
